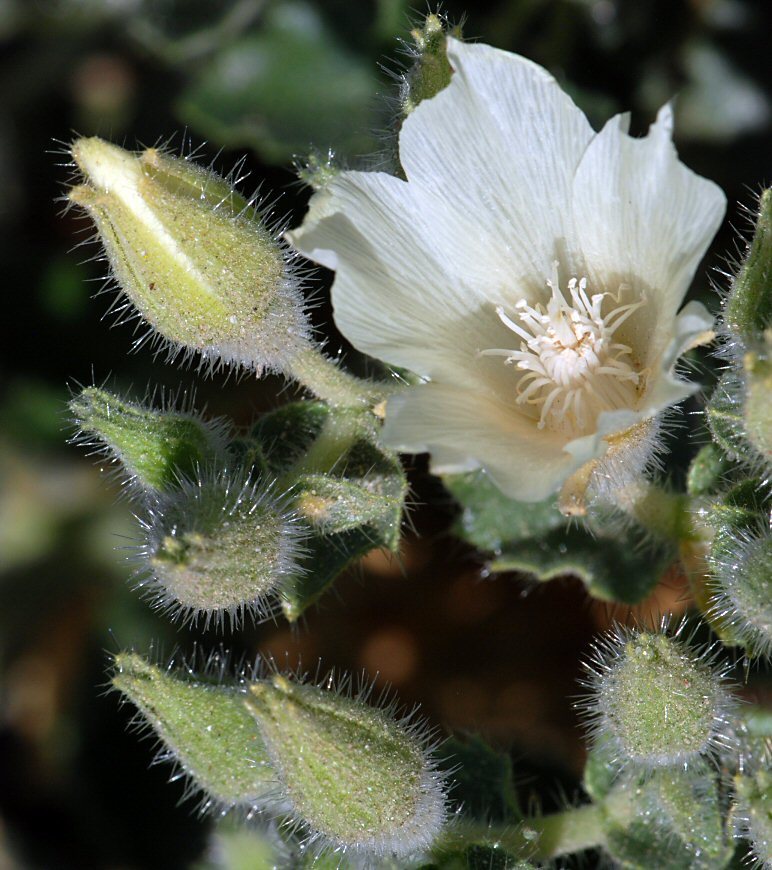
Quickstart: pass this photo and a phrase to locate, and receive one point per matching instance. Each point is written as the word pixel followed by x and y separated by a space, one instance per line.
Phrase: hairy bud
pixel 153 445
pixel 205 729
pixel 653 701
pixel 192 257
pixel 741 588
pixel 357 779
pixel 220 545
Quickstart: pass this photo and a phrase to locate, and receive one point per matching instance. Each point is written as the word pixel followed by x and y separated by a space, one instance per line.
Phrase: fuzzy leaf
pixel 288 432
pixel 537 539
pixel 205 727
pixel 677 807
pixel 483 786
pixel 347 488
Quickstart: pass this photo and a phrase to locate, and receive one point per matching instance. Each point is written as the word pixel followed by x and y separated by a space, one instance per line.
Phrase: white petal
pixel 393 296
pixel 463 429
pixel 495 153
pixel 644 218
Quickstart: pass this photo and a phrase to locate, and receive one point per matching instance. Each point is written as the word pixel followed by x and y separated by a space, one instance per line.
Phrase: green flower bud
pixel 757 364
pixel 192 257
pixel 205 730
pixel 154 446
pixel 741 588
pixel 431 71
pixel 748 310
pixel 654 702
pixel 357 779
pixel 220 545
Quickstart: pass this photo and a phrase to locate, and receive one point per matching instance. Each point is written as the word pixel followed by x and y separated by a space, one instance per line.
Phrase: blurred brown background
pixel 497 656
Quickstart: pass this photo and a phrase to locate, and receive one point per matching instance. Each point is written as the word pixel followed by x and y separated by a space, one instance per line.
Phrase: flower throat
pixel 572 368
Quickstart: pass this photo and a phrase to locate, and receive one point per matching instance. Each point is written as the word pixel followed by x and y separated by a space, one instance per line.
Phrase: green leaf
pixel 284 88
pixel 206 729
pixel 677 807
pixel 288 432
pixel 615 564
pixel 483 786
pixel 349 514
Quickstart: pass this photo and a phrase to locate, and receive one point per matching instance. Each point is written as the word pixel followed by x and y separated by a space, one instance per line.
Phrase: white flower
pixel 529 270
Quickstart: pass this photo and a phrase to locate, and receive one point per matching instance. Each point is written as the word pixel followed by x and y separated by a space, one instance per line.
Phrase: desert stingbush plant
pixel 524 275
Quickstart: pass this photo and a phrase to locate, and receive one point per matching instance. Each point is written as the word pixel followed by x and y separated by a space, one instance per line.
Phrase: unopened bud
pixel 741 587
pixel 358 780
pixel 205 730
pixel 220 545
pixel 155 446
pixel 192 257
pixel 748 310
pixel 654 702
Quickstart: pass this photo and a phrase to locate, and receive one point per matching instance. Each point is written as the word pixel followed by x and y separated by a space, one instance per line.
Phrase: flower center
pixel 573 368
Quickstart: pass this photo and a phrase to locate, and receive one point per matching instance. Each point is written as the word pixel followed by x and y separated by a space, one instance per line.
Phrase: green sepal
pixel 155 446
pixel 748 310
pixel 431 70
pixel 754 796
pixel 726 418
pixel 670 819
pixel 204 726
pixel 615 565
pixel 483 785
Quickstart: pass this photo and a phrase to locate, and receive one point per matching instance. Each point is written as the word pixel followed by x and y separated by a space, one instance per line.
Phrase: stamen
pixel 570 366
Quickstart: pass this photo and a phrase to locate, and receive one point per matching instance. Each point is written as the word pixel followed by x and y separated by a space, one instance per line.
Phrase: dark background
pixel 493 655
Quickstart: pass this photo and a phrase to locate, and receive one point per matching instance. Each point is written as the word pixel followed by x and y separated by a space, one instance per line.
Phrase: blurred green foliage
pixel 274 77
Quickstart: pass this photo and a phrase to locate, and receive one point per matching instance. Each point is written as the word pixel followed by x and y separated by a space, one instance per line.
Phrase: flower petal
pixel 463 429
pixel 394 297
pixel 644 218
pixel 495 152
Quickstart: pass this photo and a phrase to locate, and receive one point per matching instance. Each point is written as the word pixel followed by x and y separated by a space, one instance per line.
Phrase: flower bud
pixel 741 587
pixel 748 310
pixel 358 779
pixel 653 701
pixel 205 730
pixel 757 365
pixel 192 257
pixel 219 545
pixel 155 446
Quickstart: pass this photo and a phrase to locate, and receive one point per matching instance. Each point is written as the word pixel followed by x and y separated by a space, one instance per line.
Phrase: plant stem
pixel 326 380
